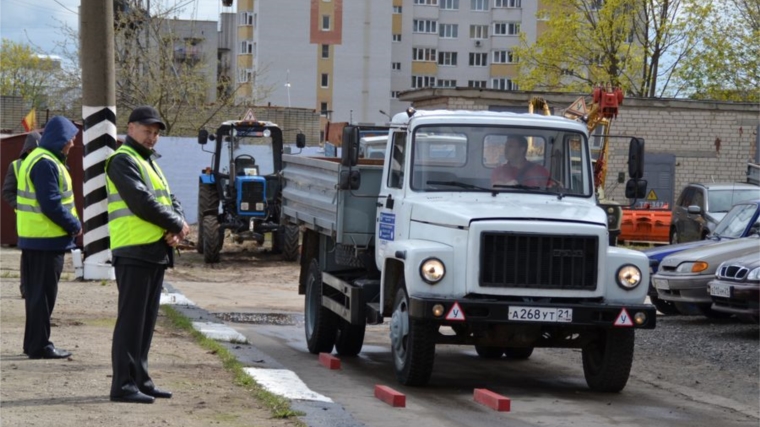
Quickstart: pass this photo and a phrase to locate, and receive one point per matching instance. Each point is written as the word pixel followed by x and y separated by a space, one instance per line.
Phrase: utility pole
pixel 96 37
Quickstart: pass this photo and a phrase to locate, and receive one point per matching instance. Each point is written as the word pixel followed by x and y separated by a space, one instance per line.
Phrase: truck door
pixel 389 225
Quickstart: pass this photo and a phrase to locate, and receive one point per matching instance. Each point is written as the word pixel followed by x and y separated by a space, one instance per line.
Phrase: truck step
pixel 373 314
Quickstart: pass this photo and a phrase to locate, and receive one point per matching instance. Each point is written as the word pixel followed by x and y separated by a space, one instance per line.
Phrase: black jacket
pixel 125 175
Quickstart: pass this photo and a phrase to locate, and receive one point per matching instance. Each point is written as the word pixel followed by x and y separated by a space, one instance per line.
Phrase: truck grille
pixel 514 260
pixel 252 193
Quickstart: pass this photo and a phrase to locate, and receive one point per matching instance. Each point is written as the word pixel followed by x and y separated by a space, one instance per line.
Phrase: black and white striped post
pixel 99 114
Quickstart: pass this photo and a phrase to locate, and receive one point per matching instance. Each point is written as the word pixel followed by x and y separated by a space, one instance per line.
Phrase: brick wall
pixel 687 129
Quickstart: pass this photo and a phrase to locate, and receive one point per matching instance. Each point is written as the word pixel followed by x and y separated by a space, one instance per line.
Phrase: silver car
pixel 736 287
pixel 683 276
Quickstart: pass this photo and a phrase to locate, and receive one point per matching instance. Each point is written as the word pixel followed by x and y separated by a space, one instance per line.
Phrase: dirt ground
pixel 74 392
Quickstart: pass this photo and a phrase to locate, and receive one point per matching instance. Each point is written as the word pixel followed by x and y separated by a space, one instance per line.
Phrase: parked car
pixel 736 287
pixel 683 276
pixel 700 207
pixel 741 221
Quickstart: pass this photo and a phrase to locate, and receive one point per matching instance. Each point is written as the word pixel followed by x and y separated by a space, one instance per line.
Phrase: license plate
pixel 720 290
pixel 540 314
pixel 661 284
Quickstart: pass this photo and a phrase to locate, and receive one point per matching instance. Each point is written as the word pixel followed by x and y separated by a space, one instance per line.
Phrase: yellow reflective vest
pixel 30 221
pixel 126 228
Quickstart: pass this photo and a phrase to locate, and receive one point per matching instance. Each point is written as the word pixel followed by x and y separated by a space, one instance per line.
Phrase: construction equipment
pixel 238 194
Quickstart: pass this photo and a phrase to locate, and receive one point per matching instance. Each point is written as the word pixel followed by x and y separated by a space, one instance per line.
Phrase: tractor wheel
pixel 288 242
pixel 213 239
pixel 208 200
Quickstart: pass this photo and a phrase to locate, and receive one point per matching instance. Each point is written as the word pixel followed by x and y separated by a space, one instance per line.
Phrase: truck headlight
pixel 628 277
pixel 432 270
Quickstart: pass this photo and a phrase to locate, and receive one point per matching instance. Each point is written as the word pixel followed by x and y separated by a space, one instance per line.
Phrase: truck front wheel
pixel 320 324
pixel 488 352
pixel 412 343
pixel 607 360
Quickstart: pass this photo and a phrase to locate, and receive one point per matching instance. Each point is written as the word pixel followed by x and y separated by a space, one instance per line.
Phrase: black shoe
pixel 158 393
pixel 135 397
pixel 51 353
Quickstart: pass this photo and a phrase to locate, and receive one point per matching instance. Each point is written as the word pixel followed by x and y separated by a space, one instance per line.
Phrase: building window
pixel 428 26
pixel 246 18
pixel 479 5
pixel 448 31
pixel 450 4
pixel 503 84
pixel 507 3
pixel 396 66
pixel 423 81
pixel 478 31
pixel 394 94
pixel 396 10
pixel 325 80
pixel 246 46
pixel 447 83
pixel 447 58
pixel 325 51
pixel 504 57
pixel 478 59
pixel 423 54
pixel 480 84
pixel 396 38
pixel 426 2
pixel 325 22
pixel 506 28
pixel 323 109
pixel 245 75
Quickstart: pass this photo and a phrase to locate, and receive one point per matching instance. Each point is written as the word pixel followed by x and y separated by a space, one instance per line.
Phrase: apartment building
pixel 349 59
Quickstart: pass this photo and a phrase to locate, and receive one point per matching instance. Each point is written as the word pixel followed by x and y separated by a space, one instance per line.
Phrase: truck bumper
pixel 472 310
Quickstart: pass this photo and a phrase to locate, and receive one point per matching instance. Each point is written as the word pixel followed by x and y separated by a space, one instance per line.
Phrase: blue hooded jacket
pixel 44 176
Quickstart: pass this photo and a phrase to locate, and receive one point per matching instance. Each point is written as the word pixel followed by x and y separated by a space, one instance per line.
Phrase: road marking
pixel 285 383
pixel 219 332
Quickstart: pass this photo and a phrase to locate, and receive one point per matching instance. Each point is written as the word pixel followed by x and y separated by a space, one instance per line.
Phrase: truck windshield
pixel 481 158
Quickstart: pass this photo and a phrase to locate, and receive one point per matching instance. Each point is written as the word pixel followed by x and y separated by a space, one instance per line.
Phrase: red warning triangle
pixel 623 319
pixel 455 313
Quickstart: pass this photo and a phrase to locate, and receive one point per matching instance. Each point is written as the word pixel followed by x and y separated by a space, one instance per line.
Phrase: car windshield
pixel 722 200
pixel 736 221
pixel 487 158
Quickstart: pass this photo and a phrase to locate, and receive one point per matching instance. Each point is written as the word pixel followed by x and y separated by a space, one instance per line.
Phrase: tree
pixel 26 74
pixel 634 44
pixel 726 65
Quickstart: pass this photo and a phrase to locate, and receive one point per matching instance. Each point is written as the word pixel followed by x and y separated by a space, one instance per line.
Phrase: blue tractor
pixel 239 194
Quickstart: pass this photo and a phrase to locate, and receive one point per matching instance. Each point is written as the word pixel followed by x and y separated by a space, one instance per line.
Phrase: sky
pixel 39 23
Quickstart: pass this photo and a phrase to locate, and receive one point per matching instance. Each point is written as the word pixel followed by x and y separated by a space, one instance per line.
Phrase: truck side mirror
pixel 636 158
pixel 202 136
pixel 350 147
pixel 300 140
pixel 636 189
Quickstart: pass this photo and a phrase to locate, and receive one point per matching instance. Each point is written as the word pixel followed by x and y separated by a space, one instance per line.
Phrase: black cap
pixel 146 115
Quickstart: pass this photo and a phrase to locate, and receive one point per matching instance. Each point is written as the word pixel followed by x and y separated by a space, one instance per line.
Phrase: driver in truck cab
pixel 518 170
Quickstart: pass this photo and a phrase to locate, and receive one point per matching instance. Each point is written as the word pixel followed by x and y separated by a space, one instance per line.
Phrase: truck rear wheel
pixel 488 352
pixel 412 343
pixel 320 324
pixel 287 242
pixel 520 353
pixel 350 338
pixel 607 360
pixel 213 239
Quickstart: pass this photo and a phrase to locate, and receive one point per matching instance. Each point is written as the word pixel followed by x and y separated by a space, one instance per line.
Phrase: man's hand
pixel 172 239
pixel 77 234
pixel 185 230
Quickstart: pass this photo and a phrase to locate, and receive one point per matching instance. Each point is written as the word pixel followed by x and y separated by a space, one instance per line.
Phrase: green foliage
pixel 25 74
pixel 726 65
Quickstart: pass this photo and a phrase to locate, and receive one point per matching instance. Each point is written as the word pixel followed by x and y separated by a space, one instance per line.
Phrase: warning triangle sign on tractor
pixel 623 319
pixel 577 108
pixel 249 116
pixel 455 313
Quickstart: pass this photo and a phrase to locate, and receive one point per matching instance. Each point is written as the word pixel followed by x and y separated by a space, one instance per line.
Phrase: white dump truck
pixel 425 237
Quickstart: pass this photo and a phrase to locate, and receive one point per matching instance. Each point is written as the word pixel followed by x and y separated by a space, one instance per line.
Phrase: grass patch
pixel 278 405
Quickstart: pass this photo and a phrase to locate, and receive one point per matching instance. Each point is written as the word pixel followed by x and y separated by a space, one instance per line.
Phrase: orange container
pixel 645 225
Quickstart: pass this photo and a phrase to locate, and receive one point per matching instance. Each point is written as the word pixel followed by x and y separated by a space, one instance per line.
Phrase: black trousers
pixel 41 271
pixel 139 295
